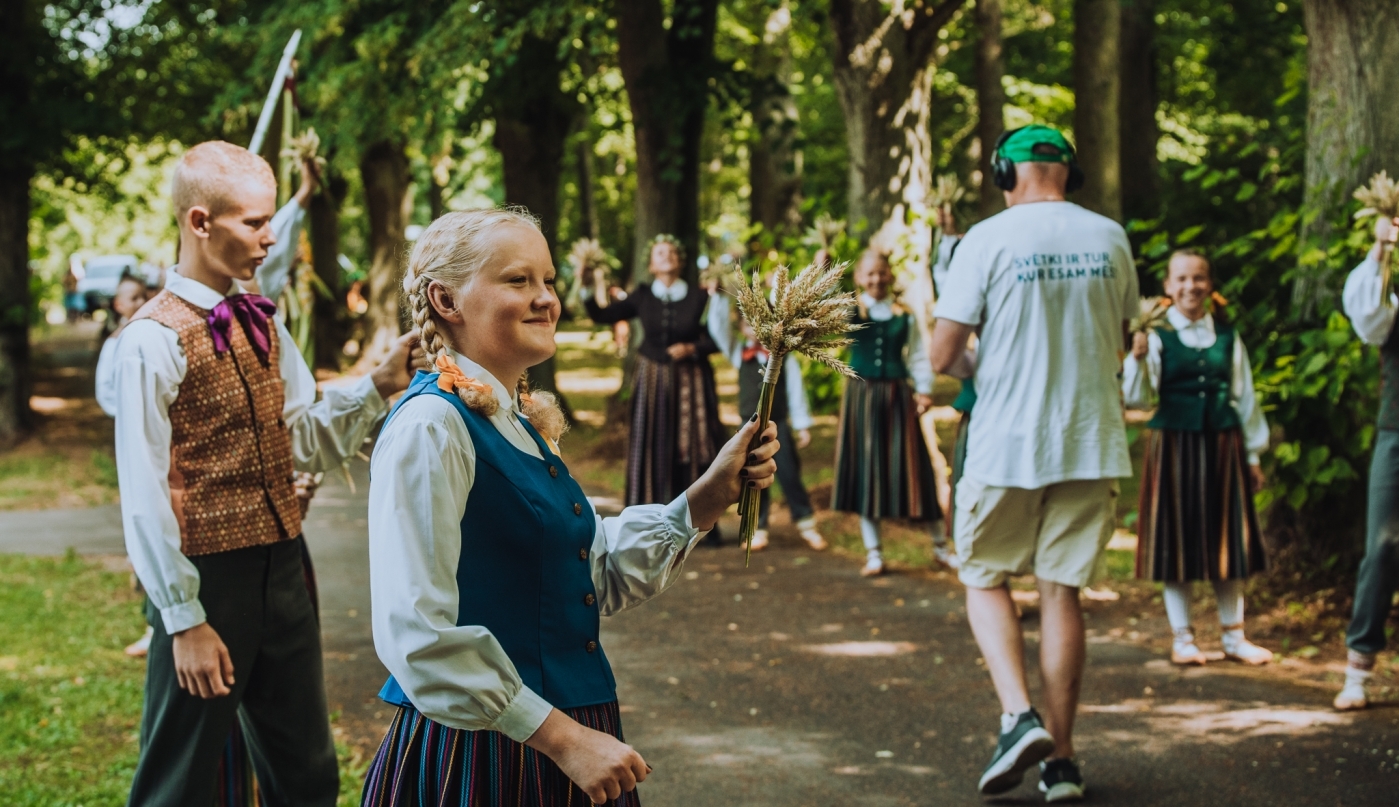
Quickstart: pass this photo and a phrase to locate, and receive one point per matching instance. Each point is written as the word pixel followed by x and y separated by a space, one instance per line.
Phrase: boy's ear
pixel 197 220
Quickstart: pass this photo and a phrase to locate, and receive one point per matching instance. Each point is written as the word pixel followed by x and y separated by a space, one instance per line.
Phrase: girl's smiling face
pixel 509 309
pixel 1189 284
pixel 874 277
pixel 665 262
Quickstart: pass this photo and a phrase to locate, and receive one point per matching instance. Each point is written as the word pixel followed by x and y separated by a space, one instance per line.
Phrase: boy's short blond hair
pixel 205 173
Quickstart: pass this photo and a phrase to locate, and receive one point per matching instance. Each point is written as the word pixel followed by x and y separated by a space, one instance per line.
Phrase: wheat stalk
pixel 1380 197
pixel 947 192
pixel 305 148
pixel 1152 313
pixel 825 231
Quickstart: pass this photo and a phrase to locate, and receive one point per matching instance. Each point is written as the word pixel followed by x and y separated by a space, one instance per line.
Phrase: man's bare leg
pixel 1061 661
pixel 997 630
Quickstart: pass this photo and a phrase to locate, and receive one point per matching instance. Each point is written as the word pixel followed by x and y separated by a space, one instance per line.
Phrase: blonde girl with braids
pixel 489 569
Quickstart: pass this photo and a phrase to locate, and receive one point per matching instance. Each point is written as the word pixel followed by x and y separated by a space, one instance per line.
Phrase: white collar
pixel 1181 322
pixel 673 293
pixel 871 304
pixel 505 397
pixel 194 292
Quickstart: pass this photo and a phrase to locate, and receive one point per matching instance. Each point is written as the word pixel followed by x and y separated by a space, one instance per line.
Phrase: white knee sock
pixel 1177 599
pixel 1230 594
pixel 869 532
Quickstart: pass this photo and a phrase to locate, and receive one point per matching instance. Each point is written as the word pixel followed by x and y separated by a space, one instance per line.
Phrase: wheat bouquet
pixel 807 314
pixel 1381 200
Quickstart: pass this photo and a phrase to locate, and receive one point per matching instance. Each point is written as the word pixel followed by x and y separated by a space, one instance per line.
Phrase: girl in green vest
pixel 1196 519
pixel 883 467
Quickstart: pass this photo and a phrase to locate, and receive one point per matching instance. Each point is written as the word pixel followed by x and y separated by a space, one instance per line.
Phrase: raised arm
pixel 614 311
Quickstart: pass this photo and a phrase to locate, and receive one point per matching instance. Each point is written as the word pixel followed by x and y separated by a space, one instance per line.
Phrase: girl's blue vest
pixel 524 572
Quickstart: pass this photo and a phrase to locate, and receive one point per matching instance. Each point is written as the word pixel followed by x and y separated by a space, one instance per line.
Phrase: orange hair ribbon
pixel 451 378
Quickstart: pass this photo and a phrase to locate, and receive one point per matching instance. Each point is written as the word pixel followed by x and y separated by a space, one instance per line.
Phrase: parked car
pixel 101 275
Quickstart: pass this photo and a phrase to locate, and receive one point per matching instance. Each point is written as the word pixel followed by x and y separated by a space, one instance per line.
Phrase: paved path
pixel 796 682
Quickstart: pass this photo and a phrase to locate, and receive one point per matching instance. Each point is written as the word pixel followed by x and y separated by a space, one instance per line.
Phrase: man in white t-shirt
pixel 1049 287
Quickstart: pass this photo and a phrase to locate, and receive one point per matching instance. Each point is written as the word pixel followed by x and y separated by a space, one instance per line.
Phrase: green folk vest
pixel 877 352
pixel 1195 383
pixel 1389 375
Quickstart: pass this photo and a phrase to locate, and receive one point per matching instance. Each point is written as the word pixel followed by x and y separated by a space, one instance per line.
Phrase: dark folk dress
pixel 675 429
pixel 883 467
pixel 1196 519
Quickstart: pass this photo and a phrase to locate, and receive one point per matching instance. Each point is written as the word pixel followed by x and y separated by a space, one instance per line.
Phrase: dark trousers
pixel 256 599
pixel 1379 572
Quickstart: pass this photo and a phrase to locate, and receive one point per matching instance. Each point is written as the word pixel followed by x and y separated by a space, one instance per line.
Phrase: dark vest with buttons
pixel 1389 376
pixel 1195 383
pixel 877 352
pixel 524 572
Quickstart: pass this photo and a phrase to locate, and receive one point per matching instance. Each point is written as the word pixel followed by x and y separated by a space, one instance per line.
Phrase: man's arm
pixel 949 352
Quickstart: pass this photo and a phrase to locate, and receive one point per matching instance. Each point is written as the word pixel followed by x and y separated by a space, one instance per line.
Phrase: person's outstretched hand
pixel 1140 345
pixel 395 372
pixel 735 467
pixel 602 765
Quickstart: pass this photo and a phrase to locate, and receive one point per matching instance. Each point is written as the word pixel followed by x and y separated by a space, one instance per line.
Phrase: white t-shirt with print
pixel 1049 284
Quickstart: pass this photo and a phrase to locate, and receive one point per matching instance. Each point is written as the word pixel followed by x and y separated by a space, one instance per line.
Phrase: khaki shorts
pixel 1057 532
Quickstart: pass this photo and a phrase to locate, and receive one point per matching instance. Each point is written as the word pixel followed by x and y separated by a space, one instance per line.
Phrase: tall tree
pixel 774 159
pixel 388 201
pixel 990 100
pixel 1097 85
pixel 1138 98
pixel 667 72
pixel 1352 128
pixel 882 64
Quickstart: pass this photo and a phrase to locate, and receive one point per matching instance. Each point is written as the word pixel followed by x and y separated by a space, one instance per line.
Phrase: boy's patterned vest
pixel 230 451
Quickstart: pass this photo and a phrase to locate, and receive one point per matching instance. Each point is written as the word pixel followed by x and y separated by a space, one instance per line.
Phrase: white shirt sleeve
pixel 326 433
pixel 1245 402
pixel 1371 319
pixel 150 365
pixel 798 407
pixel 964 298
pixel 639 554
pixel 423 468
pixel 272 275
pixel 920 367
pixel 1141 379
pixel 721 330
pixel 942 261
pixel 105 376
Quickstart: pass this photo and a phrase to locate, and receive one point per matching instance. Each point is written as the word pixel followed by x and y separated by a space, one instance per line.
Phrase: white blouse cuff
pixel 523 717
pixel 677 520
pixel 182 616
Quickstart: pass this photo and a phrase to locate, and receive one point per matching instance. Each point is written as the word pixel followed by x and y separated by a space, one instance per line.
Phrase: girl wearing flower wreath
pixel 675 428
pixel 1196 519
pixel 489 569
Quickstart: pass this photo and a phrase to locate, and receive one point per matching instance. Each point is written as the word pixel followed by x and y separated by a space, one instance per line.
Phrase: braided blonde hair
pixel 451 250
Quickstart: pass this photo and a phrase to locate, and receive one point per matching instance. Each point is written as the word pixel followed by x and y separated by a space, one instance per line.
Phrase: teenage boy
pixel 1051 286
pixel 213 396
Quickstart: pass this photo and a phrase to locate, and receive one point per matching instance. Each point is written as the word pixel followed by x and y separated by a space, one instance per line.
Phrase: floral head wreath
pixel 667 238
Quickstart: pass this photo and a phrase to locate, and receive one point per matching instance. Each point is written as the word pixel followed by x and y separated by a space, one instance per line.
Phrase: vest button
pixel 1202 378
pixel 582 554
pixel 1202 395
pixel 591 646
pixel 589 599
pixel 553 471
pixel 578 508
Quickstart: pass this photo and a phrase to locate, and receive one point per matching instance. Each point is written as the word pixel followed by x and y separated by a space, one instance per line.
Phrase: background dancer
pixel 883 466
pixel 222 562
pixel 943 550
pixel 1373 319
pixel 1196 518
pixel 489 570
pixel 1051 286
pixel 791 411
pixel 675 429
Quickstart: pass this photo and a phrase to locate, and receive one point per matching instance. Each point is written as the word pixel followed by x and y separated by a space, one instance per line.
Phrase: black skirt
pixel 1195 518
pixel 883 468
pixel 675 428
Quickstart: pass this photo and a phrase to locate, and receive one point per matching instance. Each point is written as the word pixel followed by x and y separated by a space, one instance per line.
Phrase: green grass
pixel 70 700
pixel 35 478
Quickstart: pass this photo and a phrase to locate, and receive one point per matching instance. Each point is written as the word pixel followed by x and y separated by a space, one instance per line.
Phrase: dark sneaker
pixel 1022 746
pixel 1060 780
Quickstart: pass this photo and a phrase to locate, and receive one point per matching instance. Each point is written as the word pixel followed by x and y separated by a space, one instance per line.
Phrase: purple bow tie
pixel 252 311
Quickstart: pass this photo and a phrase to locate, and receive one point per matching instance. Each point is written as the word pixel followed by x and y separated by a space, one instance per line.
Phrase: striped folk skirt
pixel 422 763
pixel 883 468
pixel 1196 519
pixel 675 429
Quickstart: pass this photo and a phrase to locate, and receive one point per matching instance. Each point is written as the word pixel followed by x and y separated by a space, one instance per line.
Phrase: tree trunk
pixel 880 61
pixel 388 201
pixel 587 209
pixel 1097 30
pixel 329 313
pixel 990 101
pixel 1138 99
pixel 774 163
pixel 666 73
pixel 1352 129
pixel 15 368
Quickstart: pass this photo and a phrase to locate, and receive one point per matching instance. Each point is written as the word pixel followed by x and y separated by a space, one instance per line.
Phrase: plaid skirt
pixel 883 468
pixel 675 429
pixel 422 763
pixel 1195 518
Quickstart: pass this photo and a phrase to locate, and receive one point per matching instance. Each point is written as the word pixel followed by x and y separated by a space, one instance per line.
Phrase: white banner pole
pixel 274 93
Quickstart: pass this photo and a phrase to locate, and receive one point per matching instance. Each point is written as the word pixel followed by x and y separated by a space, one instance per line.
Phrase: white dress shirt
pixel 422 473
pixel 1142 379
pixel 673 293
pixel 731 346
pixel 1371 319
pixel 920 368
pixel 271 278
pixel 149 367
